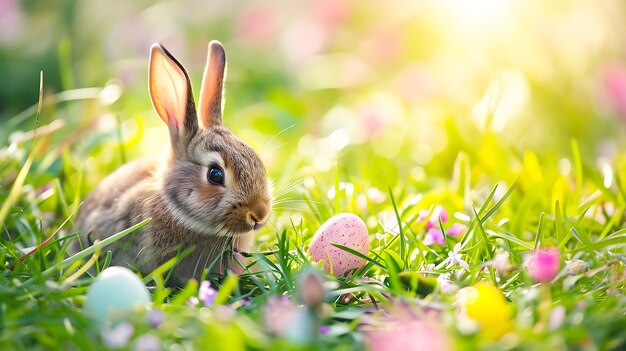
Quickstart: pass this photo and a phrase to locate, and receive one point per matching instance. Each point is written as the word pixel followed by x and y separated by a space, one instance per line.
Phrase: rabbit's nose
pixel 258 214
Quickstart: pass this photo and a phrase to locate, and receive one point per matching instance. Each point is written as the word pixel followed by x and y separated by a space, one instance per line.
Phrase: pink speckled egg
pixel 345 229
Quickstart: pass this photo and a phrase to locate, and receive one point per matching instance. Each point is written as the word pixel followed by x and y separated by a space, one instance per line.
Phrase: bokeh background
pixel 510 115
pixel 391 90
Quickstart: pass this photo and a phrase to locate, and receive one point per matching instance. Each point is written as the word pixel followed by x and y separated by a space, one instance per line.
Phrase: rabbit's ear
pixel 170 92
pixel 210 105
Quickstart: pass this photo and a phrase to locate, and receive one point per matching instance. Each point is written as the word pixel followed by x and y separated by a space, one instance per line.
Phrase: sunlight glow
pixel 480 14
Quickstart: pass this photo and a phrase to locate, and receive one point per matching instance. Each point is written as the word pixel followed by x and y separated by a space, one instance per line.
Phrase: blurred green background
pixel 395 90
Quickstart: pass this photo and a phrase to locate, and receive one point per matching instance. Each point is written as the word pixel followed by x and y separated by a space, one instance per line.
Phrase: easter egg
pixel 114 294
pixel 345 229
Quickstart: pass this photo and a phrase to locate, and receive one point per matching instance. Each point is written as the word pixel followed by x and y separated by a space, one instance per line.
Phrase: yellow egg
pixel 486 304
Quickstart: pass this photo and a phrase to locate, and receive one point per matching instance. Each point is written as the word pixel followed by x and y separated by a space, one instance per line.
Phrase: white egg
pixel 114 294
pixel 345 229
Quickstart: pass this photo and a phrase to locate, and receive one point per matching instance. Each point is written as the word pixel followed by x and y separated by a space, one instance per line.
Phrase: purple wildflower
pixel 206 293
pixel 433 222
pixel 457 229
pixel 433 236
pixel 155 318
pixel 147 342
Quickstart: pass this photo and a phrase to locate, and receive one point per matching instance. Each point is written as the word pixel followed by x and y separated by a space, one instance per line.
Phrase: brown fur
pixel 186 209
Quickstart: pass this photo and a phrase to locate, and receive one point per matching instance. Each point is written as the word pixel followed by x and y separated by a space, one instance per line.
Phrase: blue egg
pixel 114 294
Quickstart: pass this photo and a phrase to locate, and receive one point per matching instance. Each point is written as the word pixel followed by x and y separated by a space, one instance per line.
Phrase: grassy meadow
pixel 482 142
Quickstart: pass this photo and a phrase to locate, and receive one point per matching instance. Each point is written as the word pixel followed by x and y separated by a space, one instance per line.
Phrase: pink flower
pixel 410 336
pixel 434 236
pixel 302 39
pixel 279 315
pixel 557 316
pixel 407 329
pixel 615 86
pixel 438 213
pixel 257 26
pixel 11 21
pixel 311 288
pixel 457 229
pixel 330 12
pixel 544 265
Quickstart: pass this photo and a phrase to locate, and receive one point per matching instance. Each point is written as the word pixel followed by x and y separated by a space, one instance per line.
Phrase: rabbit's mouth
pixel 249 218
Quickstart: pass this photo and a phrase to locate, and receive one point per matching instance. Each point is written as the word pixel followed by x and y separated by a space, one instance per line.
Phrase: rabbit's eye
pixel 216 175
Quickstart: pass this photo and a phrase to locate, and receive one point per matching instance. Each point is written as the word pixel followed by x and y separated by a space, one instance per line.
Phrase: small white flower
pixel 389 222
pixel 455 258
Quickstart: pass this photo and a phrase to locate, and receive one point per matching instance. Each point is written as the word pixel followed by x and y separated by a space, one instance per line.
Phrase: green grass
pixel 41 293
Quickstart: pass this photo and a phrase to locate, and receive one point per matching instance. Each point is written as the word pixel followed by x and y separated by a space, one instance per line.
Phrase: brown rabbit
pixel 210 191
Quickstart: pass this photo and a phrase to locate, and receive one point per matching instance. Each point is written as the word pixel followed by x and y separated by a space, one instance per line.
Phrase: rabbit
pixel 209 191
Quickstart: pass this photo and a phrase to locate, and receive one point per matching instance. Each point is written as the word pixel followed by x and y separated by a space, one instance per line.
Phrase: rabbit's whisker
pixel 273 137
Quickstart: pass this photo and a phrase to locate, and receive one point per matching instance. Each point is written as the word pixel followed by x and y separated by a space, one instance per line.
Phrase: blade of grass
pixel 358 254
pixel 337 189
pixel 485 237
pixel 542 224
pixel 188 291
pixel 512 238
pixel 14 193
pixel 502 199
pixel 43 243
pixel 557 222
pixel 160 270
pixel 615 218
pixel 227 288
pixel 400 230
pixel 88 251
pixel 578 166
pixel 65 60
